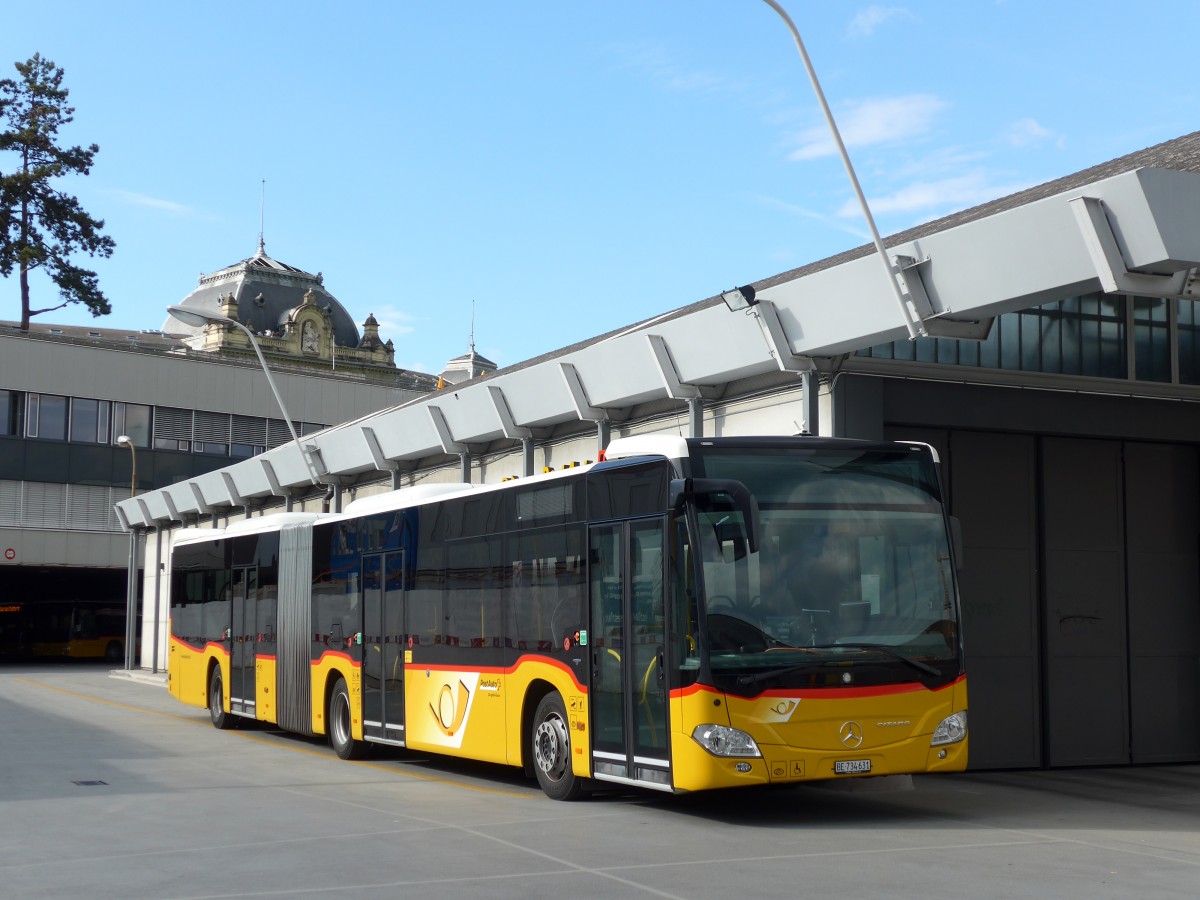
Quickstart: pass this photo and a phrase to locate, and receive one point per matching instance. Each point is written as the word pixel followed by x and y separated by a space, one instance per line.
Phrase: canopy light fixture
pixel 739 298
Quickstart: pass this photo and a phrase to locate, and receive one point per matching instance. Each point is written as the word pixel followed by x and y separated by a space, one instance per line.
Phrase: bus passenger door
pixel 384 641
pixel 243 649
pixel 628 692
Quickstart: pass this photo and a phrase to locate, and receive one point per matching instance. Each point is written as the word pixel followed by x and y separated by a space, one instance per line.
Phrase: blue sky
pixel 569 167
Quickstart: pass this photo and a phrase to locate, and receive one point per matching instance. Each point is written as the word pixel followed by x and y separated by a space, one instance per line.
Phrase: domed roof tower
pixel 265 292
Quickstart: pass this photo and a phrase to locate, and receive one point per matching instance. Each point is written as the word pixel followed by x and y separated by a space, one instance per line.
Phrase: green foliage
pixel 40 226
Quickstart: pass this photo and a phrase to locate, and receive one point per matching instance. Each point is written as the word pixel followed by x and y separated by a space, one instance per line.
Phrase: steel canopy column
pixel 158 593
pixel 696 417
pixel 527 448
pixel 131 601
pixel 810 406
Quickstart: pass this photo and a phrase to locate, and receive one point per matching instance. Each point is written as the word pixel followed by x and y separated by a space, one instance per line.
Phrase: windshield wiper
pixel 888 650
pixel 774 673
pixel 884 649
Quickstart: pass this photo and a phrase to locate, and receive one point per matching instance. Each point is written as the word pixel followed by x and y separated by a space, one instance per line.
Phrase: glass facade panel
pixel 1151 339
pixel 1077 336
pixel 1188 324
pixel 1033 331
pixel 1070 326
pixel 1010 341
pixel 989 349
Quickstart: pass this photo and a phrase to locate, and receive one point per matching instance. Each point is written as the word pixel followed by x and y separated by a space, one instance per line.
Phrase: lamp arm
pixel 893 277
pixel 270 380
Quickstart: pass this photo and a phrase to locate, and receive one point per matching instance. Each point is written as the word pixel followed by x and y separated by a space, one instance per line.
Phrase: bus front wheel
pixel 341 738
pixel 552 750
pixel 216 701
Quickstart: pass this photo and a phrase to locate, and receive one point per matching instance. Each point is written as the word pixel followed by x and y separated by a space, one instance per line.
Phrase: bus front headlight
pixel 950 730
pixel 721 740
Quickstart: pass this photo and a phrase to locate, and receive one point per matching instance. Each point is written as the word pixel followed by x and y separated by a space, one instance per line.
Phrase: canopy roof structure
pixel 1125 227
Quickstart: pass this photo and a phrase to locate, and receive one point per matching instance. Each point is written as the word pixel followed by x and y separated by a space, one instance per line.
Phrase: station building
pixel 1046 343
pixel 189 400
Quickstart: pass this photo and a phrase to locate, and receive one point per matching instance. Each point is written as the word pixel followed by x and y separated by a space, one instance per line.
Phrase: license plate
pixel 851 766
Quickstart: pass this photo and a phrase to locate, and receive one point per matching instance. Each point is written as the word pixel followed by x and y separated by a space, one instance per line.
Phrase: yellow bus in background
pixel 71 629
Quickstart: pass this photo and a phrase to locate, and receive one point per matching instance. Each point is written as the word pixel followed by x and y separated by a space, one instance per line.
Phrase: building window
pixel 11 406
pixel 47 418
pixel 172 428
pixel 133 421
pixel 89 421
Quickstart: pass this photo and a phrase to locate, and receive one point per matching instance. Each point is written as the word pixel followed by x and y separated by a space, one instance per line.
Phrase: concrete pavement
pixel 110 789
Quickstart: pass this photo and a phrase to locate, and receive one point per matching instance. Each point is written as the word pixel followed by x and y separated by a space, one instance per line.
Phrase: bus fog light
pixel 721 740
pixel 950 730
pixel 743 767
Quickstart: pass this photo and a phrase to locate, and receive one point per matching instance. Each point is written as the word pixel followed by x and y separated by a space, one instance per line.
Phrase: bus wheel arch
pixel 221 719
pixel 550 749
pixel 533 697
pixel 338 724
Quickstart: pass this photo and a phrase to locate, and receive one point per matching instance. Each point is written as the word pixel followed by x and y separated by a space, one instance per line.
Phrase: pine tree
pixel 40 226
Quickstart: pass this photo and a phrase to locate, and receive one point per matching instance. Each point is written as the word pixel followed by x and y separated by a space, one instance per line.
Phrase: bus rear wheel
pixel 341 738
pixel 551 740
pixel 216 701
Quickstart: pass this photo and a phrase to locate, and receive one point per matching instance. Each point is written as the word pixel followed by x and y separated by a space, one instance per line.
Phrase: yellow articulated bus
pixel 685 614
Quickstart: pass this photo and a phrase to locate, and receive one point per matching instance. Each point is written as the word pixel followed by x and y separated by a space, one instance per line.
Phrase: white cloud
pixel 805 213
pixel 936 197
pixel 135 199
pixel 1030 133
pixel 867 20
pixel 658 65
pixel 878 120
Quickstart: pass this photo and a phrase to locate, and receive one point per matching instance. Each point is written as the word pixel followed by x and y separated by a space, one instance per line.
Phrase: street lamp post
pixel 198 318
pixel 131 587
pixel 125 441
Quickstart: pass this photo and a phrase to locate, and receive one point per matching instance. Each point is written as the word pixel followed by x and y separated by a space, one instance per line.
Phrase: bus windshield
pixel 852 566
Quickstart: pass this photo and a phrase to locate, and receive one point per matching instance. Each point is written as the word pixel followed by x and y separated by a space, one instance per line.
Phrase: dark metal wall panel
pixel 992 485
pixel 1081 586
pixel 1084 609
pixel 1162 501
pixel 994 491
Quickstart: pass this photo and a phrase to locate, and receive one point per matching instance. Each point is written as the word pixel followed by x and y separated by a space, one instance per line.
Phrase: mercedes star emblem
pixel 852 735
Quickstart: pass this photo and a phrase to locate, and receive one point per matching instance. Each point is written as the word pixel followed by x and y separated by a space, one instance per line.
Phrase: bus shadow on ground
pixel 1159 798
pixel 1139 797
